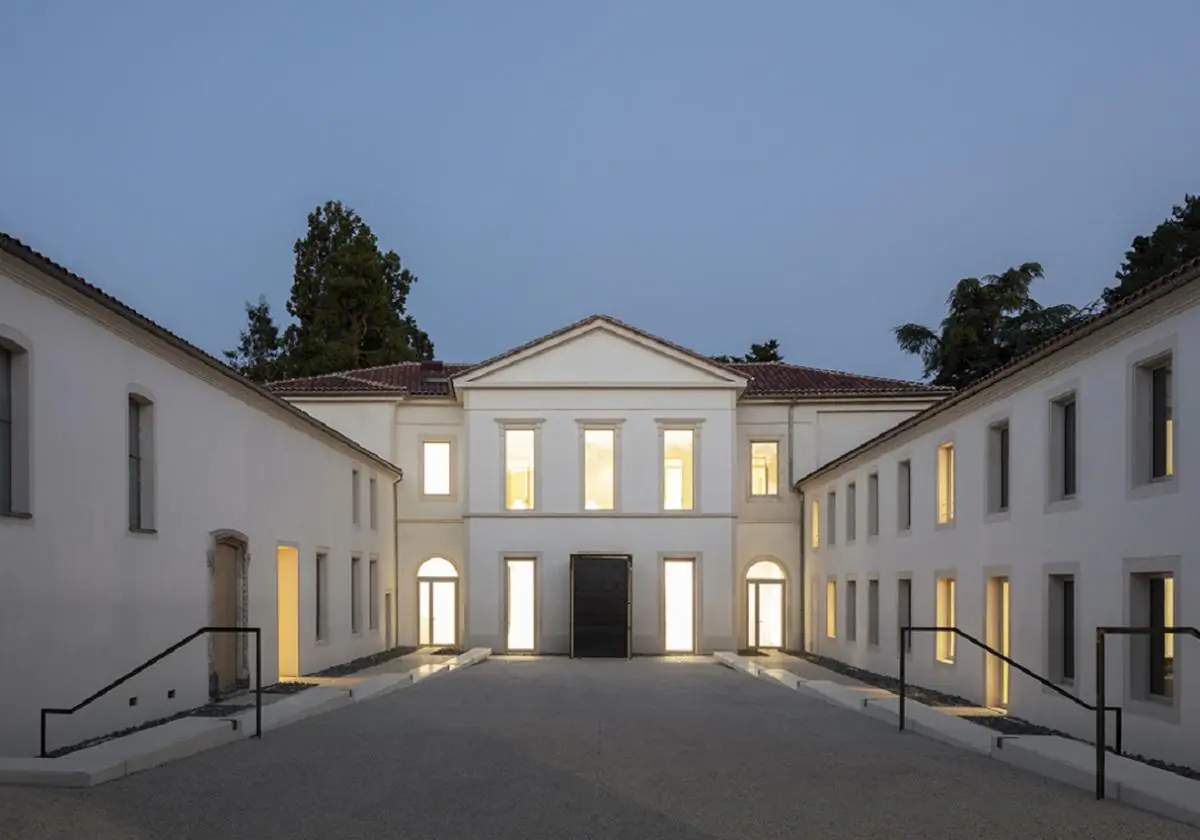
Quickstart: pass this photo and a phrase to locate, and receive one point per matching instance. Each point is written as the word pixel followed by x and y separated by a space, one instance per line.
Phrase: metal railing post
pixel 44 716
pixel 904 632
pixel 1101 717
pixel 258 681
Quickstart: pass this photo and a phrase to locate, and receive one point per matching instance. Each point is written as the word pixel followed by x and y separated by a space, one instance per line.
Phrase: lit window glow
pixel 519 469
pixel 678 477
pixel 945 483
pixel 436 468
pixel 764 468
pixel 599 469
pixel 945 618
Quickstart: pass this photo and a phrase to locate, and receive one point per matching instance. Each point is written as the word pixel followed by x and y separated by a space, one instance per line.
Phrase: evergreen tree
pixel 1173 243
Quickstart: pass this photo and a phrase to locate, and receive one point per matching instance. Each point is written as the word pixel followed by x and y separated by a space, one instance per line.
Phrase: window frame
pixel 946 470
pixel 16 502
pixel 1057 400
pixel 831 517
pixel 998 470
pixel 763 441
pixel 451 444
pixel 356 599
pixel 593 425
pixel 814 523
pixel 904 604
pixel 851 607
pixel 140 410
pixel 945 615
pixel 356 497
pixel 831 607
pixel 873 611
pixel 321 599
pixel 678 425
pixel 873 504
pixel 851 512
pixel 904 496
pixel 1061 627
pixel 1142 434
pixel 1139 699
pixel 373 594
pixel 519 425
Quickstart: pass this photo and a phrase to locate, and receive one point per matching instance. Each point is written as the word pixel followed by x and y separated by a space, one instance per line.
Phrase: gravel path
pixel 554 748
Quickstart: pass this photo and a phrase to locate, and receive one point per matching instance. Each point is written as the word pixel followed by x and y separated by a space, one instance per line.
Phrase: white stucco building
pixel 1055 496
pixel 147 491
pixel 603 440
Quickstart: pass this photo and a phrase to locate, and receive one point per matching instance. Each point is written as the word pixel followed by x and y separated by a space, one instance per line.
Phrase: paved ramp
pixel 554 748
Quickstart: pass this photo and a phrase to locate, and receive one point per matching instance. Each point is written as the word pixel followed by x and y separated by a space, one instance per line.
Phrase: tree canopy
pixel 348 304
pixel 768 351
pixel 1174 242
pixel 989 321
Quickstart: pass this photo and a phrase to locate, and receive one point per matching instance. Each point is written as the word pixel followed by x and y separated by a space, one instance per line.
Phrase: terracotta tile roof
pixel 14 247
pixel 1186 274
pixel 765 379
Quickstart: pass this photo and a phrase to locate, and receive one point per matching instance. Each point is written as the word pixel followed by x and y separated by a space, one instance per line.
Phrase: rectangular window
pixel 373 502
pixel 904 608
pixel 322 596
pixel 6 431
pixel 998 468
pixel 851 512
pixel 1162 437
pixel 356 595
pixel 679 481
pixel 764 468
pixel 945 484
pixel 1064 455
pixel 851 610
pixel 373 594
pixel 599 469
pixel 945 618
pixel 435 468
pixel 815 523
pixel 1160 590
pixel 139 464
pixel 904 495
pixel 519 476
pixel 1062 628
pixel 873 505
pixel 831 608
pixel 831 518
pixel 873 612
pixel 354 497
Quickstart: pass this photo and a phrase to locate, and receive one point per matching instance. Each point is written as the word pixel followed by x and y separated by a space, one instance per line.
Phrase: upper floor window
pixel 831 518
pixel 599 469
pixel 14 429
pixel 519 469
pixel 373 502
pixel 679 479
pixel 1064 460
pixel 873 505
pixel 1153 421
pixel 354 497
pixel 764 468
pixel 998 468
pixel 141 486
pixel 904 495
pixel 945 483
pixel 815 523
pixel 851 512
pixel 435 468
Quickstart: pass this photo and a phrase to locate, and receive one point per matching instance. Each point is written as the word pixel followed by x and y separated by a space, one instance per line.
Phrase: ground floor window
pixel 945 618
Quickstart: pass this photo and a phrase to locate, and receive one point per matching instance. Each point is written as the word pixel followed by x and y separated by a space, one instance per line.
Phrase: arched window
pixel 437 567
pixel 765 570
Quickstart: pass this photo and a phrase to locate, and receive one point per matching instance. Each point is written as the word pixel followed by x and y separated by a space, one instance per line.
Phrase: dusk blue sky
pixel 715 172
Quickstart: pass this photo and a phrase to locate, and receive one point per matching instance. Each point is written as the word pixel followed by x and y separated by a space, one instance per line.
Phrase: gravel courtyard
pixel 554 748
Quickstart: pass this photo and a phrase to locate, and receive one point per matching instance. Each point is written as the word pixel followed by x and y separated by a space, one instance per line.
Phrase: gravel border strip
pixel 363 662
pixel 1006 724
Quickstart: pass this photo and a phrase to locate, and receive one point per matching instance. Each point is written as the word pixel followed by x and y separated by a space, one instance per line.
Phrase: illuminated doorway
pixel 437 609
pixel 679 605
pixel 764 604
pixel 521 605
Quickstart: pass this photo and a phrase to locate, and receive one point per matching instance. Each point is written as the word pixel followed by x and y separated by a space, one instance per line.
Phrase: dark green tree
pixel 348 304
pixel 1172 244
pixel 989 321
pixel 768 351
pixel 257 354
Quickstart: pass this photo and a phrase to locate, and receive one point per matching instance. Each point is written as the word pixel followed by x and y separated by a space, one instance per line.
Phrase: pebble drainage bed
pixel 355 665
pixel 1006 724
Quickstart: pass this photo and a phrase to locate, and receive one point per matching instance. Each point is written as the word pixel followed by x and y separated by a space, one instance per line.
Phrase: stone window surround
pixel 506 424
pixel 1137 456
pixel 452 442
pixel 614 425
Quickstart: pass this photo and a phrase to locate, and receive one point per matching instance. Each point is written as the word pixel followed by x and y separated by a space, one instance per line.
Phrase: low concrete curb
pixel 1072 762
pixel 188 736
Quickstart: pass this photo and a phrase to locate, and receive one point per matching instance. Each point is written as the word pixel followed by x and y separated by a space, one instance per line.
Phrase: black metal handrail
pixel 1101 634
pixel 257 633
pixel 905 633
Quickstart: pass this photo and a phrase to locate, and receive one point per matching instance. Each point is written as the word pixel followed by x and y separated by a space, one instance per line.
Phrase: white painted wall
pixel 84 600
pixel 1109 531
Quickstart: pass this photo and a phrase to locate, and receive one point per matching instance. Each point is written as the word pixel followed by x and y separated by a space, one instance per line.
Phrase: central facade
pixel 603 441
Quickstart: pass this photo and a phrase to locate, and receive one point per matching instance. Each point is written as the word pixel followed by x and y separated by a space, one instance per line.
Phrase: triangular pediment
pixel 600 353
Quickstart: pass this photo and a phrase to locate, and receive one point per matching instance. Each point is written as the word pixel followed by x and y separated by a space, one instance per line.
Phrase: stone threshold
pixel 1064 759
pixel 176 739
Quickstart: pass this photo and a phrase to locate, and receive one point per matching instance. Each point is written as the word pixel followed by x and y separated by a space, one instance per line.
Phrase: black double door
pixel 600 605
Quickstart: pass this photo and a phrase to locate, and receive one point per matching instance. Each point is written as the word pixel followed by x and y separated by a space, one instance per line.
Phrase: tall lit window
pixel 945 618
pixel 678 476
pixel 945 483
pixel 1161 589
pixel 435 468
pixel 519 486
pixel 831 608
pixel 764 468
pixel 599 469
pixel 815 523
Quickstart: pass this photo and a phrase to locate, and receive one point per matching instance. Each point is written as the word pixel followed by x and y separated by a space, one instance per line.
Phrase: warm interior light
pixel 521 615
pixel 287 561
pixel 519 469
pixel 678 479
pixel 436 468
pixel 599 476
pixel 764 468
pixel 679 598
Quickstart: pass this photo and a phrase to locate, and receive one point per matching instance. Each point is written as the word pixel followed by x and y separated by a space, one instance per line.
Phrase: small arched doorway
pixel 228 606
pixel 437 608
pixel 764 604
